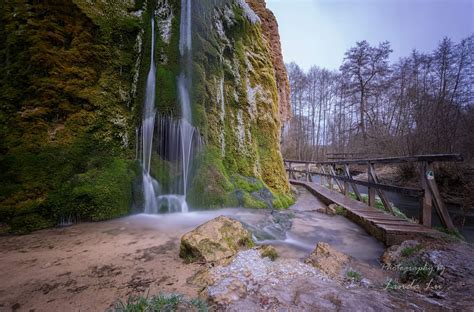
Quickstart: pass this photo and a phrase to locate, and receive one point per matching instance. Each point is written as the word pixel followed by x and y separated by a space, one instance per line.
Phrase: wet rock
pixel 331 210
pixel 394 254
pixel 252 283
pixel 215 240
pixel 365 283
pixel 327 259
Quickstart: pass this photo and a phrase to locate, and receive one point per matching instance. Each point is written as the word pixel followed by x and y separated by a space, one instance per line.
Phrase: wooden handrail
pixel 385 160
pixel 429 193
pixel 413 192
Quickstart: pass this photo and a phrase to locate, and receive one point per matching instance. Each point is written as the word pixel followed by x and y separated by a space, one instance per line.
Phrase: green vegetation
pixel 409 251
pixel 452 233
pixel 341 211
pixel 415 269
pixel 269 252
pixel 282 201
pixel 243 140
pixel 391 285
pixel 65 122
pixel 354 275
pixel 104 193
pixel 160 303
pixel 246 242
pixel 71 103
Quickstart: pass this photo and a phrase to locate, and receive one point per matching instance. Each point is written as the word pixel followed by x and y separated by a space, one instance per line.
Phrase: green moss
pixel 341 211
pixel 269 252
pixel 246 242
pixel 162 170
pixel 250 201
pixel 104 193
pixel 211 186
pixel 66 89
pixel 246 184
pixel 24 224
pixel 283 201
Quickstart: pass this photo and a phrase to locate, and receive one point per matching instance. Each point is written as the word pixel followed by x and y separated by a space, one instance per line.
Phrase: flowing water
pixel 150 185
pixel 177 139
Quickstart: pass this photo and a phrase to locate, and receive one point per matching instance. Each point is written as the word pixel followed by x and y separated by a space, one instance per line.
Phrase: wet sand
pixel 88 266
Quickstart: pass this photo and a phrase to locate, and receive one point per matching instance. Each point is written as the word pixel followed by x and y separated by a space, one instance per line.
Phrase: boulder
pixel 327 259
pixel 331 210
pixel 215 240
pixel 393 254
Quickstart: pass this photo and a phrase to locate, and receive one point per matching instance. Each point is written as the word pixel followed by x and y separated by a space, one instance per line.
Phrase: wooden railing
pixel 337 174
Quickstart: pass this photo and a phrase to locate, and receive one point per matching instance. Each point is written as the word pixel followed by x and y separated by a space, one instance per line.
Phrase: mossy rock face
pixel 67 119
pixel 235 108
pixel 215 240
pixel 25 224
pixel 72 84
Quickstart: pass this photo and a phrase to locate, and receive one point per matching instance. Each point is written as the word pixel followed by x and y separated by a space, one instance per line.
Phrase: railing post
pixel 427 200
pixel 346 188
pixel 371 191
pixel 437 199
pixel 307 172
pixel 383 198
pixel 333 173
pixel 354 186
pixel 310 176
pixel 321 177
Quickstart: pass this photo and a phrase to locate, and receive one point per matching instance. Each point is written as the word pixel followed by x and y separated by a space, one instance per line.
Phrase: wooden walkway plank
pixel 387 228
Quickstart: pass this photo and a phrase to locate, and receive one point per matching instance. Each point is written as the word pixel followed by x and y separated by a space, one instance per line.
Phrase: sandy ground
pixel 88 266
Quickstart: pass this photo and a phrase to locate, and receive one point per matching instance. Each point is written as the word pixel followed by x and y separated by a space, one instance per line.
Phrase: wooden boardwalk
pixel 385 227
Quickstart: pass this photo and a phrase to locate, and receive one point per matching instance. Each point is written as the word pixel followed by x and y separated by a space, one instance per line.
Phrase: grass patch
pixel 453 233
pixel 161 302
pixel 354 275
pixel 409 251
pixel 416 270
pixel 391 285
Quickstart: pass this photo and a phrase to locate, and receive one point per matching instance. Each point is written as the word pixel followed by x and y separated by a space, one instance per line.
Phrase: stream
pixel 68 267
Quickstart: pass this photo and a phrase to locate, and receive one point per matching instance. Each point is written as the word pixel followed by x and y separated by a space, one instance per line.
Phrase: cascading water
pixel 150 185
pixel 178 139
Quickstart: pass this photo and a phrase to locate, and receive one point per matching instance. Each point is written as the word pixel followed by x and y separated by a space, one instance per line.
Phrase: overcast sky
pixel 318 32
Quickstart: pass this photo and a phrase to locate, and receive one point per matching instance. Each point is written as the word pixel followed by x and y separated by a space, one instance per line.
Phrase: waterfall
pixel 150 185
pixel 178 140
pixel 185 27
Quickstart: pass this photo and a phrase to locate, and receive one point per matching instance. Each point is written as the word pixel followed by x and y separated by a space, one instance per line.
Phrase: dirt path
pixel 87 267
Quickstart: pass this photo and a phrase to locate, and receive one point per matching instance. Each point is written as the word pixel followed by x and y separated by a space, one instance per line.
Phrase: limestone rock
pixel 393 254
pixel 327 259
pixel 253 283
pixel 215 240
pixel 270 32
pixel 331 210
